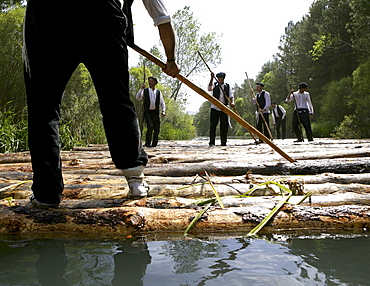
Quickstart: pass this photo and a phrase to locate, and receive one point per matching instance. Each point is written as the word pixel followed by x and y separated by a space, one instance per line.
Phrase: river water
pixel 275 259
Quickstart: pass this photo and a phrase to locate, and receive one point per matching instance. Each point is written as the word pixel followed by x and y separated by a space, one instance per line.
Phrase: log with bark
pixel 130 220
pixel 95 195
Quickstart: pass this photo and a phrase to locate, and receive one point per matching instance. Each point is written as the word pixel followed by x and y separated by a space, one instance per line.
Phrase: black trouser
pixel 218 116
pixel 58 37
pixel 263 126
pixel 302 116
pixel 280 124
pixel 153 125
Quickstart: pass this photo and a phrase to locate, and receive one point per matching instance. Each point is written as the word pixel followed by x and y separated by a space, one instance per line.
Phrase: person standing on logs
pixel 96 33
pixel 262 101
pixel 223 93
pixel 279 119
pixel 152 100
pixel 303 109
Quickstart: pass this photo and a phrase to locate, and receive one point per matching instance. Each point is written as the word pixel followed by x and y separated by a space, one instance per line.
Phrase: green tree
pixel 338 93
pixel 13 130
pixel 7 4
pixel 155 70
pixel 359 28
pixel 356 125
pixel 245 108
pixel 323 49
pixel 11 69
pixel 81 120
pixel 176 125
pixel 201 119
pixel 332 48
pixel 188 42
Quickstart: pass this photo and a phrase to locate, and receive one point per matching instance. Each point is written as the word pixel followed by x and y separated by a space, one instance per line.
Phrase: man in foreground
pixel 57 38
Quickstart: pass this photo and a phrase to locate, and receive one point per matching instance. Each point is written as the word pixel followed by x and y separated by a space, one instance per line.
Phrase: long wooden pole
pixel 223 91
pixel 216 102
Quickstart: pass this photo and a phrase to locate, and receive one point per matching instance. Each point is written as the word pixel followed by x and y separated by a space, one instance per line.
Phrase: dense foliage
pixel 11 68
pixel 81 121
pixel 189 42
pixel 329 49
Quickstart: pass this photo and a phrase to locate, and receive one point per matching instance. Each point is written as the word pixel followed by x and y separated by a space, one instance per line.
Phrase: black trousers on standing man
pixel 153 124
pixel 218 116
pixel 302 116
pixel 261 125
pixel 280 126
pixel 58 37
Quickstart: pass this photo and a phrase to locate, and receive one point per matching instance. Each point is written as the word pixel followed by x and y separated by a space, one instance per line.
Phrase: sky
pixel 250 30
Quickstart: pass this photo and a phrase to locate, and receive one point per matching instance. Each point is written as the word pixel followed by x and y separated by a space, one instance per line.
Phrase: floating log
pixel 95 196
pixel 93 187
pixel 130 220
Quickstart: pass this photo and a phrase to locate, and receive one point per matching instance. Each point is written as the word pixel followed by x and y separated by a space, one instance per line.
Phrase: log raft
pixel 95 196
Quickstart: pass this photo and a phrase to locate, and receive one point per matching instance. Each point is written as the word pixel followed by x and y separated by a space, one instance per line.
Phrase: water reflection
pixel 59 262
pixel 237 261
pixel 51 264
pixel 131 260
pixel 188 255
pixel 342 260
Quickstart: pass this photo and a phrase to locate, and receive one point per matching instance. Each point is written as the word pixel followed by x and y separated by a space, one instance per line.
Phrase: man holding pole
pixel 262 101
pixel 152 100
pixel 223 93
pixel 95 33
pixel 303 109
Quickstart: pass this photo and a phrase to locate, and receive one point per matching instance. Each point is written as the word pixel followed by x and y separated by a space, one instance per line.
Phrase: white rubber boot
pixel 135 179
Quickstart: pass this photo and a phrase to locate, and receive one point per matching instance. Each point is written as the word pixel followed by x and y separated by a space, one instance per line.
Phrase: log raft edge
pixel 133 220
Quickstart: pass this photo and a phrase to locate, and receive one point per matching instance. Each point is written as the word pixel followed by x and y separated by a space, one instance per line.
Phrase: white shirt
pixel 152 98
pixel 276 113
pixel 267 101
pixel 302 100
pixel 221 98
pixel 156 10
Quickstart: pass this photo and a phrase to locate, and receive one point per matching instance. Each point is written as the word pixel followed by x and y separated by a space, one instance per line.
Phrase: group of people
pixel 97 33
pixel 303 109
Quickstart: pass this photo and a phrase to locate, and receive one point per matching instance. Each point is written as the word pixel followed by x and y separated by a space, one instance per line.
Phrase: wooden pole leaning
pixel 216 102
pixel 143 104
pixel 223 91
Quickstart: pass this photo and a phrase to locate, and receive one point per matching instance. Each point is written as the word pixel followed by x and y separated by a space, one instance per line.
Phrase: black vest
pixel 147 100
pixel 261 100
pixel 280 113
pixel 130 27
pixel 217 90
